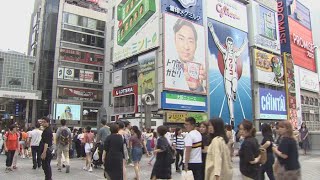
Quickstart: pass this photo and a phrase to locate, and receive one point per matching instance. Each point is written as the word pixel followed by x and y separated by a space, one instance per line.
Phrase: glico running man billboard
pixel 136 27
pixel 229 74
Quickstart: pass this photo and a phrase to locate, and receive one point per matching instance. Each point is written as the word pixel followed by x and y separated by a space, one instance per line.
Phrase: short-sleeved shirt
pixel 136 142
pixel 288 146
pixel 194 139
pixel 102 134
pixel 12 141
pixel 178 141
pixel 59 131
pixel 265 139
pixel 46 138
pixel 35 136
pixel 248 152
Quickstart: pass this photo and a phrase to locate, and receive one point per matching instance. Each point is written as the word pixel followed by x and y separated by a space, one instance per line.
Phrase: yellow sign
pixel 180 117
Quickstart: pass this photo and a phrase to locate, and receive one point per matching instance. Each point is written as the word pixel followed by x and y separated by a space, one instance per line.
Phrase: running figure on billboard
pixel 230 56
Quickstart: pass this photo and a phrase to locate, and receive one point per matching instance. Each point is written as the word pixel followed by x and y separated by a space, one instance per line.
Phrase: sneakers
pixel 14 167
pixel 85 168
pixel 90 169
pixel 67 169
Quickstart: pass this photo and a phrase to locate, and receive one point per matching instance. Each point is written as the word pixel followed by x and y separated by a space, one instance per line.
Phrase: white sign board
pixel 68 73
pixel 229 12
pixel 117 78
pixel 309 80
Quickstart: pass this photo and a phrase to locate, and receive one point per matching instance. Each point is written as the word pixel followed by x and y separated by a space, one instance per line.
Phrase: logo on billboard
pixel 188 3
pixel 226 10
pixel 307 45
pixel 124 91
pixel 272 104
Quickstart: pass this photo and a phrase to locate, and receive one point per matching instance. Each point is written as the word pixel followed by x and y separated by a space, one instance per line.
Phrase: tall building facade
pixel 68 39
pixel 171 59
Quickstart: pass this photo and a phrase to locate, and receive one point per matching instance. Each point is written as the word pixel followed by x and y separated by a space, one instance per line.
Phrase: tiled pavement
pixel 310 170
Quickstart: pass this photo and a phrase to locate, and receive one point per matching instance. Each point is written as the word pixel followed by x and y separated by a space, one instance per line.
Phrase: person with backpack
pixel 63 137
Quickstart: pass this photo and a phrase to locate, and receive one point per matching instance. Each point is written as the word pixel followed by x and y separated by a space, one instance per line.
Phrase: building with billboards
pixel 67 37
pixel 297 44
pixel 16 88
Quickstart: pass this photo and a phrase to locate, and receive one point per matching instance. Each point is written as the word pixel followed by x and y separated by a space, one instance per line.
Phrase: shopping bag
pixel 96 155
pixel 187 175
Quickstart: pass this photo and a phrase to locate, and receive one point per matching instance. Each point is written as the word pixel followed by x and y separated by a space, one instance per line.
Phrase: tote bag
pixel 187 175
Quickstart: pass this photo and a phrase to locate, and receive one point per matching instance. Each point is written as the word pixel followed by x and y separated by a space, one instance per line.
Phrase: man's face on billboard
pixel 185 43
pixel 229 44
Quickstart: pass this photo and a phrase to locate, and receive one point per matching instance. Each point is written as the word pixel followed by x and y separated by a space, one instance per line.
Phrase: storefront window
pixel 124 104
pixel 132 75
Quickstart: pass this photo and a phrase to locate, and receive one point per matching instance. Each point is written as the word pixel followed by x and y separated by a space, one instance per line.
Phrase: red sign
pixel 125 91
pixel 82 57
pixel 302 47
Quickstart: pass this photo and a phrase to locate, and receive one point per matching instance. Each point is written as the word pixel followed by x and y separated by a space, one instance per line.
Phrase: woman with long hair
pixel 249 152
pixel 178 145
pixel 287 154
pixel 267 143
pixel 218 163
pixel 204 130
pixel 136 143
pixel 304 135
pixel 162 166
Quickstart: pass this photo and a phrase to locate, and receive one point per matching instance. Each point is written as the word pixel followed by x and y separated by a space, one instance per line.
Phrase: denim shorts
pixel 136 154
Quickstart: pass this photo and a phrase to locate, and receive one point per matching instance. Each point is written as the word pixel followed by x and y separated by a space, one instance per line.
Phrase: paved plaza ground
pixel 310 170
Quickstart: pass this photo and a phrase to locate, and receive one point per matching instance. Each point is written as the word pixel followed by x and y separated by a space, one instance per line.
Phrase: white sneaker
pixel 90 169
pixel 85 168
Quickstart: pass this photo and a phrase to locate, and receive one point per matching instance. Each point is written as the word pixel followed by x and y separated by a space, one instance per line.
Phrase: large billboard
pixel 181 101
pixel 229 74
pixel 230 12
pixel 180 116
pixel 308 80
pixel 264 31
pixel 136 27
pixel 146 78
pixel 188 9
pixel 71 112
pixel 302 47
pixel 79 94
pixel 290 83
pixel 268 68
pixel 185 60
pixel 272 104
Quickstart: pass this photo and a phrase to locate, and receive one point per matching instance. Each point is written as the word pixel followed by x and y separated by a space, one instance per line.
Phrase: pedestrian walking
pixel 249 152
pixel 88 140
pixel 154 146
pixel 163 152
pixel 287 154
pixel 204 130
pixel 218 163
pixel 63 137
pixel 193 154
pixel 34 139
pixel 113 154
pixel 148 138
pixel 125 148
pixel 304 138
pixel 267 143
pixel 178 145
pixel 46 148
pixel 127 137
pixel 11 145
pixel 136 144
pixel 102 135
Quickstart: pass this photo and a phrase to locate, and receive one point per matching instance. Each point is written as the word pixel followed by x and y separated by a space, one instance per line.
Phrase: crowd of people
pixel 205 149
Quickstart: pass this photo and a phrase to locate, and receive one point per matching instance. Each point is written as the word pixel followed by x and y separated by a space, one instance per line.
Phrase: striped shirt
pixel 178 141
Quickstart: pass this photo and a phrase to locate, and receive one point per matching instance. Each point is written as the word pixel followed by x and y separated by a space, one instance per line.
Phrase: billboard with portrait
pixel 264 32
pixel 230 12
pixel 229 73
pixel 146 78
pixel 136 27
pixel 188 9
pixel 184 60
pixel 69 112
pixel 269 68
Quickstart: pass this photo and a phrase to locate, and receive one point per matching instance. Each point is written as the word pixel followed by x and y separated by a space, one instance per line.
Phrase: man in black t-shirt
pixel 46 148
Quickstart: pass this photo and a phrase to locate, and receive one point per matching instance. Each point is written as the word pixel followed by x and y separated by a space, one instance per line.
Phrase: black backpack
pixel 64 137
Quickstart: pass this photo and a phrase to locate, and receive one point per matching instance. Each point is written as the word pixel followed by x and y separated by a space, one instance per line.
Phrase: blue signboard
pixel 284 26
pixel 182 101
pixel 272 104
pixel 188 9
